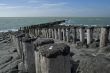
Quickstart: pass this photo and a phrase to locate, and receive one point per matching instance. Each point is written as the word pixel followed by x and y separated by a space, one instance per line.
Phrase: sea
pixel 14 23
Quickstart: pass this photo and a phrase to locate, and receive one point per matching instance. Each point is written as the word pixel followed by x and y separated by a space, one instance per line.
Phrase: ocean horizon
pixel 14 23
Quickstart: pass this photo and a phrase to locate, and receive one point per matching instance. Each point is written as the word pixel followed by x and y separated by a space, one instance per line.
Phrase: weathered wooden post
pixel 49 30
pixel 55 33
pixel 25 29
pixel 29 56
pixel 29 30
pixel 53 58
pixel 89 35
pixel 64 34
pixel 40 32
pixel 81 30
pixel 53 36
pixel 20 37
pixel 59 33
pixel 36 32
pixel 33 32
pixel 16 39
pixel 16 43
pixel 43 32
pixel 40 42
pixel 74 35
pixel 67 34
pixel 104 36
pixel 47 34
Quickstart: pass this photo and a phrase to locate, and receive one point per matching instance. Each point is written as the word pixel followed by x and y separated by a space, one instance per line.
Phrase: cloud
pixel 41 6
pixel 51 5
pixel 34 1
pixel 11 7
pixel 54 4
pixel 2 4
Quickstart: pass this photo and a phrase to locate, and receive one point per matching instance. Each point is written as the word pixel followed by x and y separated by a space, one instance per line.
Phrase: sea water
pixel 13 23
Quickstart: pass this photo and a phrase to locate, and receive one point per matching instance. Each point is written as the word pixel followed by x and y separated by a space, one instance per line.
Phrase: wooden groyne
pixel 39 52
pixel 72 33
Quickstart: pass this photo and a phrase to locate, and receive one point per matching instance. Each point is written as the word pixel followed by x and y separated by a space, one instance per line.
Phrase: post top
pixel 20 35
pixel 27 38
pixel 43 41
pixel 54 50
pixel 89 27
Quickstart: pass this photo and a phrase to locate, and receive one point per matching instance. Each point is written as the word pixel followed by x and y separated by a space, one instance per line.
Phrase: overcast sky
pixel 38 8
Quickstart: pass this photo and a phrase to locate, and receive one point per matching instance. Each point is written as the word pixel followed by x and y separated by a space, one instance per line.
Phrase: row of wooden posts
pixel 36 60
pixel 63 33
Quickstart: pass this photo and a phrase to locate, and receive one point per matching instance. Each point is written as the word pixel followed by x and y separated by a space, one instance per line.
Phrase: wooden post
pixel 64 34
pixel 59 33
pixel 37 43
pixel 16 43
pixel 36 32
pixel 33 31
pixel 67 34
pixel 49 33
pixel 29 56
pixel 46 32
pixel 43 32
pixel 20 38
pixel 81 30
pixel 39 31
pixel 74 35
pixel 104 36
pixel 89 35
pixel 16 39
pixel 53 36
pixel 55 33
pixel 53 58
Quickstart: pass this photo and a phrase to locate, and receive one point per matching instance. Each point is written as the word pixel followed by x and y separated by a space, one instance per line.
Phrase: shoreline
pixel 7 30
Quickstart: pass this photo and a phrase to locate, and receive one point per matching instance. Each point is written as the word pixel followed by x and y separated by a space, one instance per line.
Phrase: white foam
pixel 6 30
pixel 86 25
pixel 108 25
pixel 94 25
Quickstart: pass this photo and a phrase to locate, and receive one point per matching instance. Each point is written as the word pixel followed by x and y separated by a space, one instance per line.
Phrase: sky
pixel 54 8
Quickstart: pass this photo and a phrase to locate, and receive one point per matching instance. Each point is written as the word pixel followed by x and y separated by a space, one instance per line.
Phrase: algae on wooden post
pixel 54 58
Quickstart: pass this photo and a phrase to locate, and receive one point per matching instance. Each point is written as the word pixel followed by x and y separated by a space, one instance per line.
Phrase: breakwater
pixel 41 54
pixel 84 34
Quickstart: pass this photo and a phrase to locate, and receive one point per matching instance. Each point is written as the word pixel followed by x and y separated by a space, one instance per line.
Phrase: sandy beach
pixel 83 58
pixel 9 58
